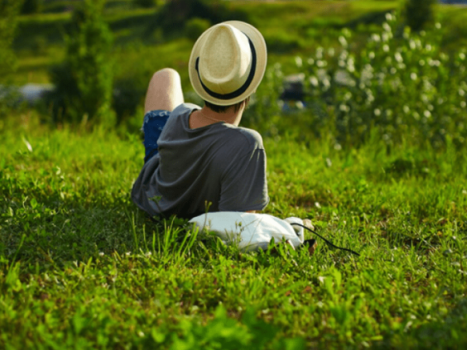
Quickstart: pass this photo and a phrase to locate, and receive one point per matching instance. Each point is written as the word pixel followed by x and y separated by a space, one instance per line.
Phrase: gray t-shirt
pixel 219 164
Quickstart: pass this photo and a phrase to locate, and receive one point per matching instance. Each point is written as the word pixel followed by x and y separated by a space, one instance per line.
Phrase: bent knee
pixel 169 73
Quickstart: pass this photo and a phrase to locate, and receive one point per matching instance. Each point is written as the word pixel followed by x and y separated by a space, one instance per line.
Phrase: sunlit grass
pixel 79 263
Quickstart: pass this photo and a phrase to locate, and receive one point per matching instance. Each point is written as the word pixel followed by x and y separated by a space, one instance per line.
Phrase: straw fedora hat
pixel 227 63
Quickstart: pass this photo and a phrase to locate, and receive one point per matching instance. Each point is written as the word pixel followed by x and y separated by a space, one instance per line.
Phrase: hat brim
pixel 261 59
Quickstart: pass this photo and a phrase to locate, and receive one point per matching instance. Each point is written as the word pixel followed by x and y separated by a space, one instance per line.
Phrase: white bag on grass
pixel 251 231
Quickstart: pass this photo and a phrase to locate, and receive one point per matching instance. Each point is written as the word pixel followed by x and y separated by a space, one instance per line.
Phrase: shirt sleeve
pixel 244 184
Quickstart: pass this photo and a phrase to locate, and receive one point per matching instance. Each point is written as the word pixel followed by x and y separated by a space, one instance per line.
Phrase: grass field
pixel 82 267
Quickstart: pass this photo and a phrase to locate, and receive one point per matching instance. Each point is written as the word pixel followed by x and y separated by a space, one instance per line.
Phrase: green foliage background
pixel 8 12
pixel 83 83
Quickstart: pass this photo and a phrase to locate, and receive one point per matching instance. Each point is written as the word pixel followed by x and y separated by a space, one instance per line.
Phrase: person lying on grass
pixel 199 159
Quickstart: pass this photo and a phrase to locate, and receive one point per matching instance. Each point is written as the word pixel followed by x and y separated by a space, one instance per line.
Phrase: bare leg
pixel 164 91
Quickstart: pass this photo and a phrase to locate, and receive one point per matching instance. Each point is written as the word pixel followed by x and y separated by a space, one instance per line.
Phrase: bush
pixel 418 13
pixel 127 96
pixel 31 6
pixel 145 3
pixel 176 13
pixel 195 27
pixel 84 81
pixel 404 87
pixel 8 15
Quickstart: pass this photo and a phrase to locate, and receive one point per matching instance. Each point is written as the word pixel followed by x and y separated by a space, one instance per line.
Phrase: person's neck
pixel 230 116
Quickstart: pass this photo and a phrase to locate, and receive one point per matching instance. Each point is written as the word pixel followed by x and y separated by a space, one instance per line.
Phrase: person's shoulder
pixel 251 138
pixel 184 108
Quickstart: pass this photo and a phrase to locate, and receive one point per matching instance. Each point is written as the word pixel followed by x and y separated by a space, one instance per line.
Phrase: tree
pixel 145 3
pixel 9 10
pixel 31 6
pixel 84 81
pixel 418 13
pixel 175 14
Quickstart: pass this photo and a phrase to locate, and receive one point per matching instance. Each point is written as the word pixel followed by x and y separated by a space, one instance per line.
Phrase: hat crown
pixel 225 59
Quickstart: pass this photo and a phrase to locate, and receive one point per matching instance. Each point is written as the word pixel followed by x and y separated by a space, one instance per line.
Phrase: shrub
pixel 173 16
pixel 418 13
pixel 195 27
pixel 84 81
pixel 403 87
pixel 31 6
pixel 8 15
pixel 145 3
pixel 127 96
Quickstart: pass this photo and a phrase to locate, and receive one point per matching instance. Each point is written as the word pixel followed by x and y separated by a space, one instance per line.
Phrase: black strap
pixel 243 88
pixel 324 239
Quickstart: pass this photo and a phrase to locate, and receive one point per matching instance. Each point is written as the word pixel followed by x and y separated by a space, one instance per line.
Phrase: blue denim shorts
pixel 154 122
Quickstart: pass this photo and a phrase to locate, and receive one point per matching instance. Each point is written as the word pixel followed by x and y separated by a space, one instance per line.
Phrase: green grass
pixel 80 266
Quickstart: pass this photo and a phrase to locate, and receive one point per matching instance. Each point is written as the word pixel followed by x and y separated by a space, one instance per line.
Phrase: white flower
pixel 428 47
pixel 427 114
pixel 314 81
pixel 421 62
pixel 386 48
pixel 371 55
pixel 101 253
pixel 343 41
pixel 438 25
pixel 311 61
pixel 389 17
pixel 344 108
pixel 398 57
pixel 406 109
pixel 377 112
pixel 375 37
pixel 461 92
pixel 321 63
pixel 299 104
pixel 412 44
pixel 462 56
pixel 386 27
pixel 319 53
pixel 413 76
pixel 463 104
pixel 298 61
